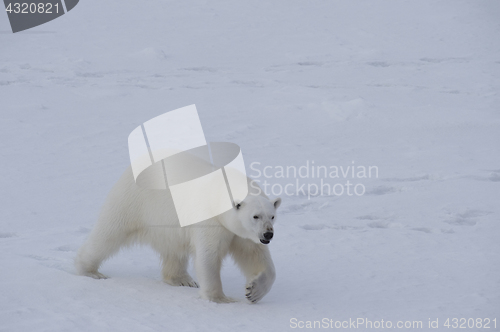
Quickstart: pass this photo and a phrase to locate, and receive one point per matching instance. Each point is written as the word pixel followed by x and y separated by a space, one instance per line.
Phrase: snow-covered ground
pixel 411 87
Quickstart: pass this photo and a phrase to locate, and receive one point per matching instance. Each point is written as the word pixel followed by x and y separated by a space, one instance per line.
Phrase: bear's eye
pixel 272 217
pixel 256 217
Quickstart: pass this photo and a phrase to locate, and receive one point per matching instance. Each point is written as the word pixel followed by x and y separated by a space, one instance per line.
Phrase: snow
pixel 409 87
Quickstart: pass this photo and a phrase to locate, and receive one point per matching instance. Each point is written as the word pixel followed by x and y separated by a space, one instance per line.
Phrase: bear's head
pixel 254 217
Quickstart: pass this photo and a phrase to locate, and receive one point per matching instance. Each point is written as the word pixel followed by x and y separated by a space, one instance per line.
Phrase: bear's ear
pixel 237 205
pixel 277 202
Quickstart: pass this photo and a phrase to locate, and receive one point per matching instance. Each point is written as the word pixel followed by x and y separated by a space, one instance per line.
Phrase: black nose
pixel 268 235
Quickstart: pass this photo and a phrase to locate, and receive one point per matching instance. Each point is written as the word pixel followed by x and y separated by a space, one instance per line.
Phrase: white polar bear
pixel 132 214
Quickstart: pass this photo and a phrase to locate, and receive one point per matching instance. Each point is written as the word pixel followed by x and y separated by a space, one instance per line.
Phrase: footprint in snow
pixel 319 227
pixel 422 229
pixel 64 265
pixel 451 59
pixel 494 177
pixel 313 227
pixel 310 63
pixel 467 218
pixel 381 190
pixel 408 179
pixel 67 248
pixel 368 217
pixel 384 224
pixel 378 64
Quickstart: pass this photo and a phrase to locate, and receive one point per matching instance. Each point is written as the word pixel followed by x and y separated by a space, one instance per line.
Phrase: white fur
pixel 132 214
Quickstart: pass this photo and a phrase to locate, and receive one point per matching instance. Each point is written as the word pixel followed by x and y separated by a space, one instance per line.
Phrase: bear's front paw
pixel 256 289
pixel 252 292
pixel 259 286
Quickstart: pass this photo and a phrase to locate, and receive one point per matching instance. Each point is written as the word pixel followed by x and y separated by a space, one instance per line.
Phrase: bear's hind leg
pixel 100 245
pixel 175 271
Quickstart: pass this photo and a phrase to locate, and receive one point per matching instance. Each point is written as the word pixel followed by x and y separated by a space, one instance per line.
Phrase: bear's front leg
pixel 256 263
pixel 260 285
pixel 208 263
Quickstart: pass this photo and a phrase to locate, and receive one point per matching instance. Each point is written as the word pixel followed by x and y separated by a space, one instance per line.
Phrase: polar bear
pixel 132 214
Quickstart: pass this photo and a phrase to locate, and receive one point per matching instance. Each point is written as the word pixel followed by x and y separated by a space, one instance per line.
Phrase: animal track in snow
pixel 297 207
pixel 313 227
pixel 384 224
pixel 408 179
pixel 494 176
pixel 378 64
pixel 422 229
pixel 381 190
pixel 467 218
pixel 428 230
pixel 67 248
pixel 318 227
pixel 89 74
pixel 367 217
pixel 310 63
pixel 201 69
pixel 376 218
pixel 252 84
pixel 440 60
pixel 5 235
pixel 52 262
